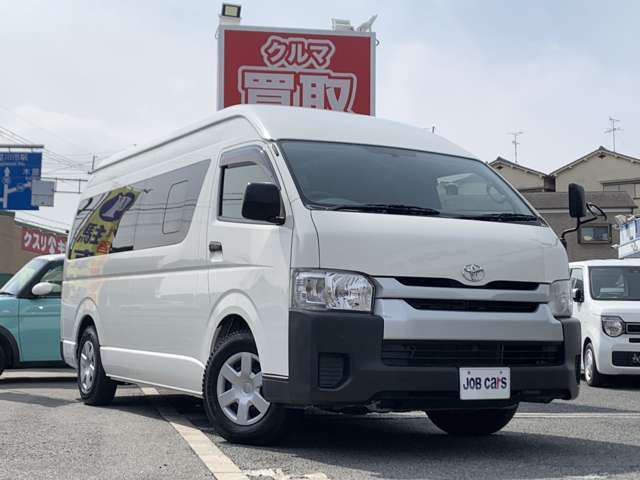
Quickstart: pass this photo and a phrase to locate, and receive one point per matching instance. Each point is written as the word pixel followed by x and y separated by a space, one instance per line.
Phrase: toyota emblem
pixel 473 272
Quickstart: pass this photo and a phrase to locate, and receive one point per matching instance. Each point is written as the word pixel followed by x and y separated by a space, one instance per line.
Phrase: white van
pixel 606 296
pixel 274 258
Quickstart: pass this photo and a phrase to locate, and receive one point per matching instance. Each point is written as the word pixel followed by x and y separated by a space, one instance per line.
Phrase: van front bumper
pixel 346 349
pixel 617 356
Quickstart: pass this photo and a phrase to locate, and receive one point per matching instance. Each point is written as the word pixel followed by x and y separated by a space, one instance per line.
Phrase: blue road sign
pixel 18 170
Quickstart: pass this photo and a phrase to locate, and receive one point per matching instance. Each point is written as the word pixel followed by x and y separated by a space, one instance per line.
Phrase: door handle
pixel 215 247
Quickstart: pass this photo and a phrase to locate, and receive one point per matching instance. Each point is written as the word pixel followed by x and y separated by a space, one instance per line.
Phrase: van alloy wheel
pixel 87 366
pixel 239 389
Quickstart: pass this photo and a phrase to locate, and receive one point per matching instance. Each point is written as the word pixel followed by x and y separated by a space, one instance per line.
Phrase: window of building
pixel 595 234
pixel 633 189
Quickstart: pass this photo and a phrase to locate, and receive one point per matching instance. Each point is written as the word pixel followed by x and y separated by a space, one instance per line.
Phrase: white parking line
pixel 36 374
pixel 217 462
pixel 221 466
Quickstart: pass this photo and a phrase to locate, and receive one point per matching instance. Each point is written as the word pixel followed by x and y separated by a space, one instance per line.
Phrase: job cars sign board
pixel 307 68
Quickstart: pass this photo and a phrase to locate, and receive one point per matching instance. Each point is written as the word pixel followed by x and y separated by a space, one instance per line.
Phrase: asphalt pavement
pixel 45 432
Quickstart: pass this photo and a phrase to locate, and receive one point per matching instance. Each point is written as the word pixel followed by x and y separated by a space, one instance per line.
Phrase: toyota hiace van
pixel 272 258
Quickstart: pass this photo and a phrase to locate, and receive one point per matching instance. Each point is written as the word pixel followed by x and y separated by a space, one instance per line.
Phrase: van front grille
pixel 451 283
pixel 448 353
pixel 633 328
pixel 471 305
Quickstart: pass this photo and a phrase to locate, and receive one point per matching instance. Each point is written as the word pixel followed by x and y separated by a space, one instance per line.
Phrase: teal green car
pixel 30 315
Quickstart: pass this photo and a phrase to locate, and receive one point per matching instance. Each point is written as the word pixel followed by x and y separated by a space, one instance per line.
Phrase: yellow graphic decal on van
pixel 96 234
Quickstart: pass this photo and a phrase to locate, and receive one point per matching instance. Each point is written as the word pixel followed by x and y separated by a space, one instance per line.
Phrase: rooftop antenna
pixel 515 143
pixel 613 130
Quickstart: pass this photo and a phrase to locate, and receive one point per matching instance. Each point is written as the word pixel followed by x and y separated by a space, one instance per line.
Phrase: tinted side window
pixel 577 279
pixel 235 181
pixel 168 203
pixel 240 168
pixel 155 212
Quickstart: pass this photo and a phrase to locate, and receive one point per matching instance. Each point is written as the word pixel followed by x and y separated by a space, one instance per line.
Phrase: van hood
pixel 415 246
pixel 628 310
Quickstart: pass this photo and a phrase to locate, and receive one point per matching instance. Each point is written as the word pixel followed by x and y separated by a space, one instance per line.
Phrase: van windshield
pixel 615 283
pixel 337 176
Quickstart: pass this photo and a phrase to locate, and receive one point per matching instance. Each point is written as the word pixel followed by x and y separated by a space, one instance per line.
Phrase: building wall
pixel 12 256
pixel 593 171
pixel 560 221
pixel 520 179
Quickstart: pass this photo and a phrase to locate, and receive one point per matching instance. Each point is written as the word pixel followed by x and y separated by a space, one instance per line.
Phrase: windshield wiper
pixel 388 208
pixel 502 217
pixel 5 293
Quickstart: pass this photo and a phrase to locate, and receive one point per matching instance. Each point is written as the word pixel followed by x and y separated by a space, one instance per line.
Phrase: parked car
pixel 30 315
pixel 274 258
pixel 606 296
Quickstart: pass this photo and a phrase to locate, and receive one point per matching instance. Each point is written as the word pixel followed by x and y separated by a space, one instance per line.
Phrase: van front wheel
pixel 232 390
pixel 472 422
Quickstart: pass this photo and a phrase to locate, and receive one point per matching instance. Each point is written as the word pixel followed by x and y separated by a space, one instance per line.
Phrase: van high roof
pixel 294 123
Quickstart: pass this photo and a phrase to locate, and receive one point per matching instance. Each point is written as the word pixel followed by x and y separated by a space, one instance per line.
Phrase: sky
pixel 89 77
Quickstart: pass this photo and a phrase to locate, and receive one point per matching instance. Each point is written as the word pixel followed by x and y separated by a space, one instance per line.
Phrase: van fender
pixel 237 303
pixel 86 308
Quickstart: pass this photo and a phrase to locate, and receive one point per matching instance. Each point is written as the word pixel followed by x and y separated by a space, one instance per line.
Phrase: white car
pixel 275 258
pixel 606 296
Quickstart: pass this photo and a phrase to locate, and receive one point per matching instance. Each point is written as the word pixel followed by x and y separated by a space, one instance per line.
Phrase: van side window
pixel 240 168
pixel 577 279
pixel 176 200
pixel 151 213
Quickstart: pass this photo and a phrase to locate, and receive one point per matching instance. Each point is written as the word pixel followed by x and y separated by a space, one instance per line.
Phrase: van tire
pixel 267 430
pixel 101 389
pixel 593 377
pixel 472 422
pixel 3 360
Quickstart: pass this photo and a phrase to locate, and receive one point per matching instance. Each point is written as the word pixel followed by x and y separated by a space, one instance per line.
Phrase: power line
pixel 66 140
pixel 51 155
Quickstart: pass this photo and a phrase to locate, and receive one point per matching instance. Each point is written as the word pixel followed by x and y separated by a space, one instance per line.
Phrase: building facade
pixel 526 179
pixel 595 239
pixel 22 241
pixel 611 180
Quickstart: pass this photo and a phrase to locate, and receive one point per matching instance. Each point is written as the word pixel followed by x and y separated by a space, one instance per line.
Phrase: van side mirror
pixel 43 289
pixel 578 295
pixel 262 202
pixel 577 201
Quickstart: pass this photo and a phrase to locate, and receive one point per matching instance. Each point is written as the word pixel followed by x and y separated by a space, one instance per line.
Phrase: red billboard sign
pixel 306 68
pixel 42 242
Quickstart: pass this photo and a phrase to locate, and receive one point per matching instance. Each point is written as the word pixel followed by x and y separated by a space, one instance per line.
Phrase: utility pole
pixel 515 143
pixel 613 130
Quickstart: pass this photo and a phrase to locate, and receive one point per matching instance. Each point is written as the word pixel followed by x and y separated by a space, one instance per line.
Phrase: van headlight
pixel 331 290
pixel 612 325
pixel 560 304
